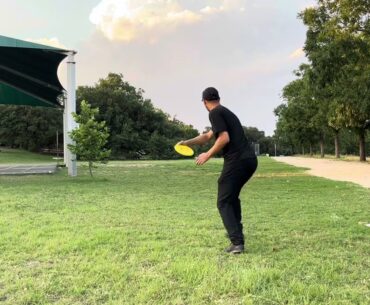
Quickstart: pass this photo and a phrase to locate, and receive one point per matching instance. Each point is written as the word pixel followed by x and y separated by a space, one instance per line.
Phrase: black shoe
pixel 235 249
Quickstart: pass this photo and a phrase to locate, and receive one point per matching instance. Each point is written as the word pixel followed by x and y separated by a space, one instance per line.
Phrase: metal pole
pixel 65 150
pixel 57 144
pixel 71 107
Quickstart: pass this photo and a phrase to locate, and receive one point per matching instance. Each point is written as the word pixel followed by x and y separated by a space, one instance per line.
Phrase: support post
pixel 70 108
pixel 65 150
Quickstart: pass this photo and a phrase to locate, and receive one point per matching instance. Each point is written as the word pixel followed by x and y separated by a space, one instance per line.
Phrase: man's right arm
pixel 199 140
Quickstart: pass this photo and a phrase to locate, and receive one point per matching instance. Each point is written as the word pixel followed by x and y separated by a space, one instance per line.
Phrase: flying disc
pixel 184 150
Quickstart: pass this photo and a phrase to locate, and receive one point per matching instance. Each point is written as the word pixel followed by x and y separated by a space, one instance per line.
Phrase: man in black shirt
pixel 240 163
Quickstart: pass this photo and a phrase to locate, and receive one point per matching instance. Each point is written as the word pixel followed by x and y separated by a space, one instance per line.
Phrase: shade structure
pixel 28 76
pixel 28 73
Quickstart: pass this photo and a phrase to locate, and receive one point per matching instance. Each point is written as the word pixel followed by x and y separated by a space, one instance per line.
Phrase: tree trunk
pixel 302 150
pixel 311 153
pixel 322 151
pixel 90 168
pixel 337 144
pixel 362 134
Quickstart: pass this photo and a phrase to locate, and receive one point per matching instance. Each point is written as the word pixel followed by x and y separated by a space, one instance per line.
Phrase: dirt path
pixel 355 172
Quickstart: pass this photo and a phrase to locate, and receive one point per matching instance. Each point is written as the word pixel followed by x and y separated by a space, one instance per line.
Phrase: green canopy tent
pixel 28 76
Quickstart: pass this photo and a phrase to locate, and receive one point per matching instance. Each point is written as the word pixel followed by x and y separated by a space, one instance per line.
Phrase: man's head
pixel 210 98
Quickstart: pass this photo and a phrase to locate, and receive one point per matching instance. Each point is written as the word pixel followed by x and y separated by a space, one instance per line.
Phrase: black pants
pixel 234 175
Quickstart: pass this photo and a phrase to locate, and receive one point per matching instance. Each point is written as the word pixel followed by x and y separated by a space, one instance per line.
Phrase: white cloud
pixel 51 42
pixel 233 4
pixel 212 10
pixel 299 53
pixel 127 20
pixel 244 55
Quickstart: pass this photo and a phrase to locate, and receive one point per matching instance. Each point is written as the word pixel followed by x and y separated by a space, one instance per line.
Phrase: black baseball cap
pixel 210 94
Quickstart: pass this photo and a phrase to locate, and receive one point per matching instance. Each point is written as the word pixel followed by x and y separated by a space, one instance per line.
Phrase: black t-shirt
pixel 222 119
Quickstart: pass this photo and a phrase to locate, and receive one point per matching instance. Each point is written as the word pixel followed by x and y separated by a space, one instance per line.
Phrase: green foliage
pixel 138 130
pixel 253 134
pixel 302 117
pixel 256 136
pixel 30 128
pixel 90 136
pixel 338 76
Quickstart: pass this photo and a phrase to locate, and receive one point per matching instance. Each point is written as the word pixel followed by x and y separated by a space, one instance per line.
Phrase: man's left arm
pixel 220 143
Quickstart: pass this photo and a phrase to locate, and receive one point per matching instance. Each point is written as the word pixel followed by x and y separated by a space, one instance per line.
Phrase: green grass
pixel 149 233
pixel 9 156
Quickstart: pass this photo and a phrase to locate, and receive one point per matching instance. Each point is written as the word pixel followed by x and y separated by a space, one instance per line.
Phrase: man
pixel 240 163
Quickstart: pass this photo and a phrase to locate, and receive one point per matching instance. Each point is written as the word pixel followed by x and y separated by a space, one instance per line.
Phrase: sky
pixel 174 49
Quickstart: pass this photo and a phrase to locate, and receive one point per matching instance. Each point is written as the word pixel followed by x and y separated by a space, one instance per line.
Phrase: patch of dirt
pixel 355 172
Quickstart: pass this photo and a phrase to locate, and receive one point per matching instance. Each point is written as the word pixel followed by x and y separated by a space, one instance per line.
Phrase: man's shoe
pixel 235 249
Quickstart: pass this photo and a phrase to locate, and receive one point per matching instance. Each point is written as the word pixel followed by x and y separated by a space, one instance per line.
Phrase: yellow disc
pixel 184 150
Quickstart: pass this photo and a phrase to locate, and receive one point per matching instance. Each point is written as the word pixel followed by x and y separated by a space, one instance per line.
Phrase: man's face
pixel 206 105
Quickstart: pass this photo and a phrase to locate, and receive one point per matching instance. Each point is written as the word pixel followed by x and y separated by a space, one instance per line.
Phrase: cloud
pixel 244 55
pixel 51 42
pixel 299 53
pixel 126 20
pixel 208 10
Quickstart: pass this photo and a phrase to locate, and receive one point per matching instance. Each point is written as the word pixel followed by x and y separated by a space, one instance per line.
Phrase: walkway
pixel 27 169
pixel 333 169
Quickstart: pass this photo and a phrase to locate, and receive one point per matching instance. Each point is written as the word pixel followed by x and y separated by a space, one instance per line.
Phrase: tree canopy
pixel 332 91
pixel 137 128
pixel 30 128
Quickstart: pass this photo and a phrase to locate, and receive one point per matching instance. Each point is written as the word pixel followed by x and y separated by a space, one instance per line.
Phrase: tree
pixel 301 116
pixel 253 134
pixel 90 136
pixel 338 47
pixel 31 128
pixel 137 129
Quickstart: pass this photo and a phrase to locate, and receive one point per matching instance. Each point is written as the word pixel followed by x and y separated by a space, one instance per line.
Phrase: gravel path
pixel 355 172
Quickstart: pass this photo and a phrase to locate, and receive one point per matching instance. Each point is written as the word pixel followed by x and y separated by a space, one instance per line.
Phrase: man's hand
pixel 220 143
pixel 202 158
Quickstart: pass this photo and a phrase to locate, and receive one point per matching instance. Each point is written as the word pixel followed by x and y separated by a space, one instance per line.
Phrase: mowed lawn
pixel 19 156
pixel 148 232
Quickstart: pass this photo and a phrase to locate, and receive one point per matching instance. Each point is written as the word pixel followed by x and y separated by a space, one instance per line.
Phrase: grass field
pixel 149 233
pixel 8 156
